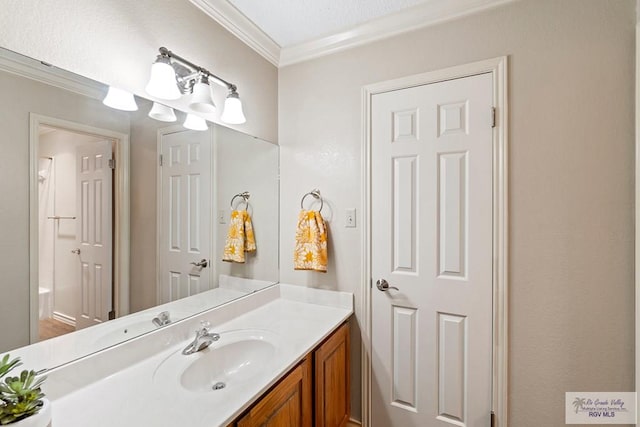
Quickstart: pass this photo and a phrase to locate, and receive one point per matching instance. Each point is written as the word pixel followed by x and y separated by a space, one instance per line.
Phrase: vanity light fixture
pixel 120 99
pixel 173 76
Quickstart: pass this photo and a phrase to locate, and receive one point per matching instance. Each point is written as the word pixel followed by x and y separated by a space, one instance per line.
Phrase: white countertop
pixel 116 387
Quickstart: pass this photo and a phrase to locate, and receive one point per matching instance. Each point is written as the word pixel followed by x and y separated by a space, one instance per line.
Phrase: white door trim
pixel 637 203
pixel 121 187
pixel 498 68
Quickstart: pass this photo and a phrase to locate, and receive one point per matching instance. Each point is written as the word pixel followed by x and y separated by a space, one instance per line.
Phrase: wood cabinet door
pixel 288 404
pixel 333 404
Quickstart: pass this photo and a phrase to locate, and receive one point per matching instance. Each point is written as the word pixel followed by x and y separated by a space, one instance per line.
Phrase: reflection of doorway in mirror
pixel 75 230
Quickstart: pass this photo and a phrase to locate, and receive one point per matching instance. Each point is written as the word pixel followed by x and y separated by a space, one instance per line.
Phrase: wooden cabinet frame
pixel 332 380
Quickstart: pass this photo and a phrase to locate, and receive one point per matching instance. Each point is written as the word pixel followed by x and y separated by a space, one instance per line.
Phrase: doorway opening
pixel 60 219
pixel 79 226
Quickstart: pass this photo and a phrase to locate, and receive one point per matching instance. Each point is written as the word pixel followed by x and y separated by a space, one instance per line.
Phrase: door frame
pixel 121 220
pixel 212 207
pixel 637 211
pixel 498 67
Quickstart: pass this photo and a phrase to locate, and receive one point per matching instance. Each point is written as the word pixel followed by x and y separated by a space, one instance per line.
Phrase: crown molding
pixel 225 14
pixel 422 15
pixel 431 12
pixel 23 66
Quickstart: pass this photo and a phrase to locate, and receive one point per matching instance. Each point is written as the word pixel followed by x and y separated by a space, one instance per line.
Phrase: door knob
pixel 202 264
pixel 76 251
pixel 383 285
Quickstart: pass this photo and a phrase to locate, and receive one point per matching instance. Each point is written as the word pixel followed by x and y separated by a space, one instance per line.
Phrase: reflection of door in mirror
pixel 75 230
pixel 94 204
pixel 185 234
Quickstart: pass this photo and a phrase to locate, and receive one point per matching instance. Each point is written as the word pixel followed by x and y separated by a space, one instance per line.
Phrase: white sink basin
pixel 237 357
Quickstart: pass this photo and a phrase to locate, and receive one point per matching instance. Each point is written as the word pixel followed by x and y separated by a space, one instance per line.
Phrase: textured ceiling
pixel 289 22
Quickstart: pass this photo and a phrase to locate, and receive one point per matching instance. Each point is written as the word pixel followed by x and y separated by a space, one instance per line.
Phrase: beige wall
pixel 116 41
pixel 571 181
pixel 27 96
pixel 144 163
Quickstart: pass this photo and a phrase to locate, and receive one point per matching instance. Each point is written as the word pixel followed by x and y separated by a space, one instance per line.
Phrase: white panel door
pixel 94 211
pixel 185 236
pixel 432 240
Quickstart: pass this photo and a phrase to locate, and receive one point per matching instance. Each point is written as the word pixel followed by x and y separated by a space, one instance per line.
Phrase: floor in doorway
pixel 50 328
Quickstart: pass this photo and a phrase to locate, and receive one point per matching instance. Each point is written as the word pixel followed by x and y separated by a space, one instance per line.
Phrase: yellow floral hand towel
pixel 311 242
pixel 240 237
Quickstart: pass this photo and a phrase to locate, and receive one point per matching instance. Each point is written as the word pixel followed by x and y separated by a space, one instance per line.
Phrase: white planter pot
pixel 41 419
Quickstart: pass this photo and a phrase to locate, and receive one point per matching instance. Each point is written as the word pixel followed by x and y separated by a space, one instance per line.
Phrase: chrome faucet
pixel 203 339
pixel 162 319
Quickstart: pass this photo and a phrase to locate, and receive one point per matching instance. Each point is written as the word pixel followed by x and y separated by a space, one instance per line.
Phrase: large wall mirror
pixel 133 221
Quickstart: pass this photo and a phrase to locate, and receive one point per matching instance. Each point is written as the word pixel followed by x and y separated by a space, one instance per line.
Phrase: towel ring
pixel 316 195
pixel 245 197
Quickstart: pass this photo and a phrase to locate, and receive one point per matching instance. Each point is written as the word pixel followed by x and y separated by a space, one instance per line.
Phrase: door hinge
pixel 112 163
pixel 493 419
pixel 112 315
pixel 161 159
pixel 493 117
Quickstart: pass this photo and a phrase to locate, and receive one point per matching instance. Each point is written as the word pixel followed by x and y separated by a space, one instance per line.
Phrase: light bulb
pixel 194 122
pixel 120 99
pixel 201 101
pixel 162 112
pixel 233 110
pixel 162 82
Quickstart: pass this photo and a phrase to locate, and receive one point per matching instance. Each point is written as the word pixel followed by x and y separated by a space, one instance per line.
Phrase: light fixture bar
pixel 220 81
pixel 173 77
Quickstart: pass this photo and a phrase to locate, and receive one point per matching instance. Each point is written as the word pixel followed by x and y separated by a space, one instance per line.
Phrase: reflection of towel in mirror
pixel 311 242
pixel 240 237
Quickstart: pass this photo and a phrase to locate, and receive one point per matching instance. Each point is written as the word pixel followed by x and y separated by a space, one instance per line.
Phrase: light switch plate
pixel 350 218
pixel 222 216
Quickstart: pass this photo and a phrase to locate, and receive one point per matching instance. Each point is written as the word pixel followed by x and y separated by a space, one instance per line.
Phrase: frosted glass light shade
pixel 162 82
pixel 201 101
pixel 194 122
pixel 120 99
pixel 233 110
pixel 162 113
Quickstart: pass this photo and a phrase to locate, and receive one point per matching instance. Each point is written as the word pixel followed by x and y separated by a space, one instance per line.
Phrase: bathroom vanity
pixel 283 354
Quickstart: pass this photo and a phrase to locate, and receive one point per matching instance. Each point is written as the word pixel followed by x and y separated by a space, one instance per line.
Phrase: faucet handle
pixel 204 328
pixel 205 324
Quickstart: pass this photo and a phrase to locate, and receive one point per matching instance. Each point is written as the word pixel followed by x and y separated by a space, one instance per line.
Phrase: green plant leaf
pixel 6 366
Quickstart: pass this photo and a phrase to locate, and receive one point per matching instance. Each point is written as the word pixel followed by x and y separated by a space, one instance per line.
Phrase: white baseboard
pixel 61 317
pixel 354 423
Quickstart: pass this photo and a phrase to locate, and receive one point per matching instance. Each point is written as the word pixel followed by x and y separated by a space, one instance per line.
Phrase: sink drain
pixel 219 386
